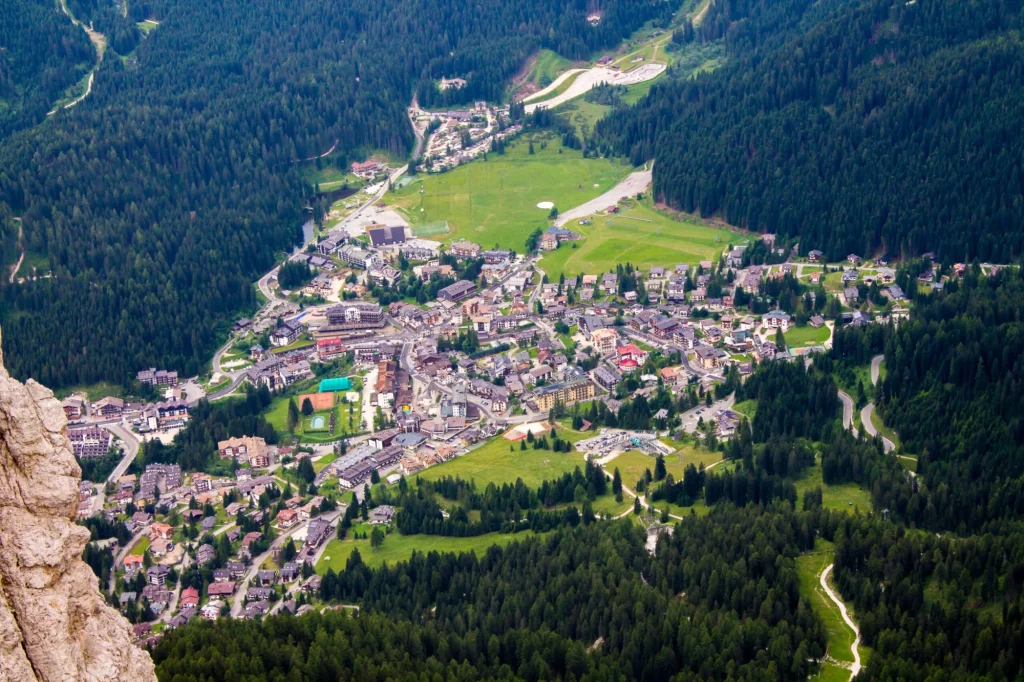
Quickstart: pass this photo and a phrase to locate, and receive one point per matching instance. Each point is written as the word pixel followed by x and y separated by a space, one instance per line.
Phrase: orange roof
pixel 132 559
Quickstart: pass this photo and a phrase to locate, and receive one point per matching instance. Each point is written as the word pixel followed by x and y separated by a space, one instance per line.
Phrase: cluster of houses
pixel 447 146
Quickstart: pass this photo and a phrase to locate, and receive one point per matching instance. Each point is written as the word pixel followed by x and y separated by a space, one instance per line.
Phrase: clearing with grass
pixel 495 201
pixel 638 235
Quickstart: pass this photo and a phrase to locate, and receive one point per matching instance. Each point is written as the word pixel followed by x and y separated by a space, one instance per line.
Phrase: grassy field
pixel 798 337
pixel 840 637
pixel 399 547
pixel 747 407
pixel 661 241
pixel 546 68
pixel 140 547
pixel 495 201
pixel 876 421
pixel 494 462
pixel 846 496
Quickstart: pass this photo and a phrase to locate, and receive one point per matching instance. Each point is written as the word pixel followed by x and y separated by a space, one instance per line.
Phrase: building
pixel 317 532
pixel 92 441
pixel 382 514
pixel 355 316
pixel 709 357
pixel 286 518
pixel 464 249
pixel 777 319
pixel 108 407
pixel 565 393
pixel 286 333
pixel 245 448
pixel 354 256
pixel 457 291
pixel 604 340
pixel 74 408
pixel 157 377
pixel 381 235
pixel 329 348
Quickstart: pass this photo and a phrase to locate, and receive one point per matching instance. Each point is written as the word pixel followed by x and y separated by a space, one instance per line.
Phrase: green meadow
pixel 495 201
pixel 637 235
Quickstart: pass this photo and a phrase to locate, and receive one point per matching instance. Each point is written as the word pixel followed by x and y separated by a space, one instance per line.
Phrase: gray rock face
pixel 54 624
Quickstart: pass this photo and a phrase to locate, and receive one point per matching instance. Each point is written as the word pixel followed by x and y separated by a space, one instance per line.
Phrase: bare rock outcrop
pixel 54 624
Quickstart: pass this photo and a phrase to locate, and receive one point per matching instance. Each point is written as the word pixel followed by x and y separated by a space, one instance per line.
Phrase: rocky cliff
pixel 54 624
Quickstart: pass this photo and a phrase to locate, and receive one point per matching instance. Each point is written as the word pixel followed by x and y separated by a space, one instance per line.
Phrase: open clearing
pixel 842 497
pixel 494 462
pixel 797 337
pixel 495 201
pixel 624 239
pixel 840 637
pixel 399 547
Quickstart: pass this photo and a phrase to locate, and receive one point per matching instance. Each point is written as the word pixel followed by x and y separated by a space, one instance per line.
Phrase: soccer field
pixel 495 201
pixel 640 236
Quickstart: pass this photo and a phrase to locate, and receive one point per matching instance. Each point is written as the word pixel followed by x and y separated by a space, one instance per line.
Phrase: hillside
pixel 160 199
pixel 42 54
pixel 857 126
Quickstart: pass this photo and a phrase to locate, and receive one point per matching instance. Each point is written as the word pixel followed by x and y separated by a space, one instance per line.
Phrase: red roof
pixel 333 341
pixel 628 362
pixel 190 595
pixel 630 349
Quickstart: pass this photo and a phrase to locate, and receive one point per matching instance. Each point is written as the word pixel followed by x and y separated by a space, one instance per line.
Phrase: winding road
pixel 846 618
pixel 21 258
pixel 865 414
pixel 847 409
pixel 100 41
pixel 633 184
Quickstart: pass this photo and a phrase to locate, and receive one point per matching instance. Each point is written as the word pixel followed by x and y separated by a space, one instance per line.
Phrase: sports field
pixel 640 236
pixel 798 337
pixel 495 201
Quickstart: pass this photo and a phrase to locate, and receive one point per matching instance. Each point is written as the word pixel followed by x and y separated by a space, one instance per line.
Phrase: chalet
pixel 464 249
pixel 709 357
pixel 815 256
pixel 108 407
pixel 157 377
pixel 220 589
pixel 158 574
pixel 74 408
pixel 777 319
pixel 317 532
pixel 286 518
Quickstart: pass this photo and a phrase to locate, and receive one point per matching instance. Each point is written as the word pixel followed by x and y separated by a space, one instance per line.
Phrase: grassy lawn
pixel 495 201
pixel 797 337
pixel 300 343
pixel 493 462
pixel 845 496
pixel 909 462
pixel 141 546
pixel 653 239
pixel 321 463
pixel 840 637
pixel 399 547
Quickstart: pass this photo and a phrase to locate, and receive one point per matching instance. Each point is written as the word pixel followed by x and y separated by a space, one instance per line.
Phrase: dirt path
pixel 100 41
pixel 701 13
pixel 21 258
pixel 846 618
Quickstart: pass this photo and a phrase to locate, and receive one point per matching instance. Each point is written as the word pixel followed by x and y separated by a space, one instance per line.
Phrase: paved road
pixel 121 554
pixel 633 184
pixel 238 604
pixel 131 448
pixel 847 410
pixel 846 618
pixel 865 419
pixel 876 367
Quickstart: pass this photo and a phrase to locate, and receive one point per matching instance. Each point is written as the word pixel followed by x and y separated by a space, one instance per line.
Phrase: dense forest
pixel 42 54
pixel 157 201
pixel 860 126
pixel 953 391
